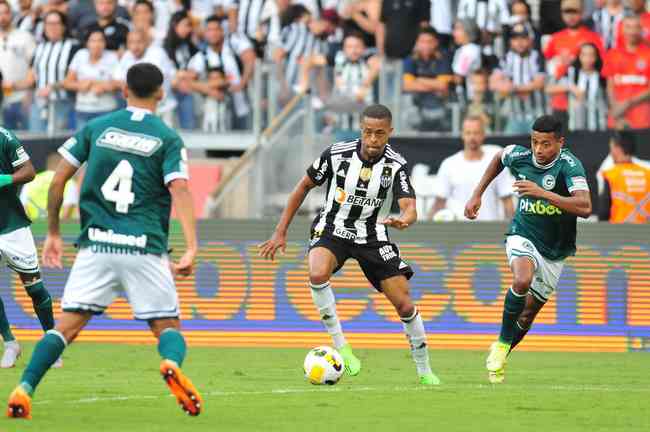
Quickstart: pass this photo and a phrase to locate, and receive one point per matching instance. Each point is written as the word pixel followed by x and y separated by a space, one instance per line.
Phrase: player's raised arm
pixel 493 170
pixel 279 238
pixel 53 248
pixel 184 206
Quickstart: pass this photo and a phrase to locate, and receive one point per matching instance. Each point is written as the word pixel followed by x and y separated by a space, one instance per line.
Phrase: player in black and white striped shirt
pixel 363 178
pixel 606 22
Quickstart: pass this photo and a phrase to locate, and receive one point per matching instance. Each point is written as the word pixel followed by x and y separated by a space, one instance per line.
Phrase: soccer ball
pixel 323 365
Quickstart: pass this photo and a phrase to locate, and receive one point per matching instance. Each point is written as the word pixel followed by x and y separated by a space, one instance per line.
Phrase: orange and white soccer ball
pixel 323 365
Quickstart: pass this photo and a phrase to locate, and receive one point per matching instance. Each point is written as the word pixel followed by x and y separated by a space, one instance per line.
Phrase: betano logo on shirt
pixel 538 207
pixel 342 197
pixel 129 142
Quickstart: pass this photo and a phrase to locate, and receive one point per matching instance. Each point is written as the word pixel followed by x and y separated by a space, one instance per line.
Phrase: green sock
pixel 512 308
pixel 5 330
pixel 46 352
pixel 42 303
pixel 171 346
pixel 518 335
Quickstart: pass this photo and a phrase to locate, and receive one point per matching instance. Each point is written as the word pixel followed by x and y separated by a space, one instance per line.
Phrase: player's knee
pixel 405 308
pixel 521 283
pixel 319 276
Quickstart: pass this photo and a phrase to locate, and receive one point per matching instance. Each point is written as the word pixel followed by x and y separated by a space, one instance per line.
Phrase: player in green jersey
pixel 135 167
pixel 17 246
pixel 552 188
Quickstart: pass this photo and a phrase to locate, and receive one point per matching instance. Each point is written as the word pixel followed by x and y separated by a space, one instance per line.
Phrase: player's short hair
pixel 377 111
pixel 548 123
pixel 144 79
pixel 625 141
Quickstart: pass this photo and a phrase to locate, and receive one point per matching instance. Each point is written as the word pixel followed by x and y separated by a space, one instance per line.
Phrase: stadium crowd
pixel 64 61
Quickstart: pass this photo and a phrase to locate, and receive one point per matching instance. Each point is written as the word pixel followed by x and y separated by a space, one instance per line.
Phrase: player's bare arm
pixel 579 203
pixel 493 170
pixel 53 247
pixel 408 214
pixel 23 174
pixel 184 206
pixel 279 238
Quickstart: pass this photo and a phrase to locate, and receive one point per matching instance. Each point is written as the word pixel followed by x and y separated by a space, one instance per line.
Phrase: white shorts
pixel 547 272
pixel 18 251
pixel 97 278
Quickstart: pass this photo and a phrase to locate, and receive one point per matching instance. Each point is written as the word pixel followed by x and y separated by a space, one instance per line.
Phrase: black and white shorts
pixel 379 261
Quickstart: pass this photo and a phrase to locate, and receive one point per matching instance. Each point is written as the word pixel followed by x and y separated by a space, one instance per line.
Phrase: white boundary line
pixel 290 391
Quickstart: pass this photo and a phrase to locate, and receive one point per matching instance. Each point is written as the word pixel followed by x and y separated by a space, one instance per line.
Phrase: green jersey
pixel 552 231
pixel 12 156
pixel 124 202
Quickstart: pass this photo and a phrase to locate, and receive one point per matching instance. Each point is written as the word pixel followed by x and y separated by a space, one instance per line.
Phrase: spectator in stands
pixel 399 23
pixel 586 90
pixel 90 76
pixel 636 7
pixel 520 81
pixel 520 13
pixel 143 18
pixel 300 42
pixel 627 70
pixel 83 14
pixel 236 57
pixel 490 16
pixel 442 21
pixel 16 52
pixel 26 17
pixel 606 21
pixel 217 108
pixel 259 21
pixel 48 71
pixel 427 76
pixel 140 49
pixel 361 17
pixel 459 174
pixel 481 104
pixel 115 28
pixel 625 197
pixel 467 58
pixel 180 48
pixel 562 50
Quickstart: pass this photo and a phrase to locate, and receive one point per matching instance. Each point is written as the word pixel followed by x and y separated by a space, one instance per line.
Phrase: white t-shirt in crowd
pixel 158 56
pixel 16 52
pixel 102 70
pixel 457 178
pixel 467 59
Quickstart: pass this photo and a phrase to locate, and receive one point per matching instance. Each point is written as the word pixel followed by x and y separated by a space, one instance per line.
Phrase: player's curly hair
pixel 548 123
pixel 377 111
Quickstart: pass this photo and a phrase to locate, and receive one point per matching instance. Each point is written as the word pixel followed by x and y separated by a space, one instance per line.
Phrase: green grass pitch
pixel 118 388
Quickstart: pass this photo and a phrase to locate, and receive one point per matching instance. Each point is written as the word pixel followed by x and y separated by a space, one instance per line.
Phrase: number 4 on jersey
pixel 117 187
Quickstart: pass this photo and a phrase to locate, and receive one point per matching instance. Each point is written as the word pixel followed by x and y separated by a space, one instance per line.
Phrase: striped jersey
pixel 360 193
pixel 299 43
pixel 607 26
pixel 51 61
pixel 521 70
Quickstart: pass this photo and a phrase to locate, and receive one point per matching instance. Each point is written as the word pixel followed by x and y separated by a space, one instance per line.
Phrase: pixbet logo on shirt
pixel 538 207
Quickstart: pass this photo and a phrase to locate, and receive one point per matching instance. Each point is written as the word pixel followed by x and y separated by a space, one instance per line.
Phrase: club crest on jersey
pixel 548 182
pixel 129 142
pixel 365 174
pixel 386 178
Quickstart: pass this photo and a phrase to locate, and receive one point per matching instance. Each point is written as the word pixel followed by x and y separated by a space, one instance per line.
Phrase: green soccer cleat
pixel 429 379
pixel 496 362
pixel 352 363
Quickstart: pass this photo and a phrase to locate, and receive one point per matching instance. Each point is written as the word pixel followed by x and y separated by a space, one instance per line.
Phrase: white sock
pixel 326 304
pixel 414 329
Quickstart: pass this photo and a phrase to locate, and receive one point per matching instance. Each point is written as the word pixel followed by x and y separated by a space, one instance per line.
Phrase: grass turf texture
pixel 118 388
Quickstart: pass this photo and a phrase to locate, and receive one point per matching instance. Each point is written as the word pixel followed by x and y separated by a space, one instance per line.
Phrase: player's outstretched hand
pixel 395 223
pixel 528 188
pixel 472 207
pixel 185 265
pixel 53 251
pixel 271 246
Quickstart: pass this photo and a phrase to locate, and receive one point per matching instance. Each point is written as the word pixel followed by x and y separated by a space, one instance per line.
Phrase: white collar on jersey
pixel 548 165
pixel 138 110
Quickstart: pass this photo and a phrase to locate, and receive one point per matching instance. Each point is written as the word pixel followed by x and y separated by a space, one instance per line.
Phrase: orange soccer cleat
pixel 20 404
pixel 186 394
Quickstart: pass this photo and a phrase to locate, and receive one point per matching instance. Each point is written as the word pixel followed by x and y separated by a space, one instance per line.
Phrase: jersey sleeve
pixel 76 149
pixel 321 169
pixel 575 176
pixel 506 155
pixel 402 187
pixel 175 161
pixel 13 150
